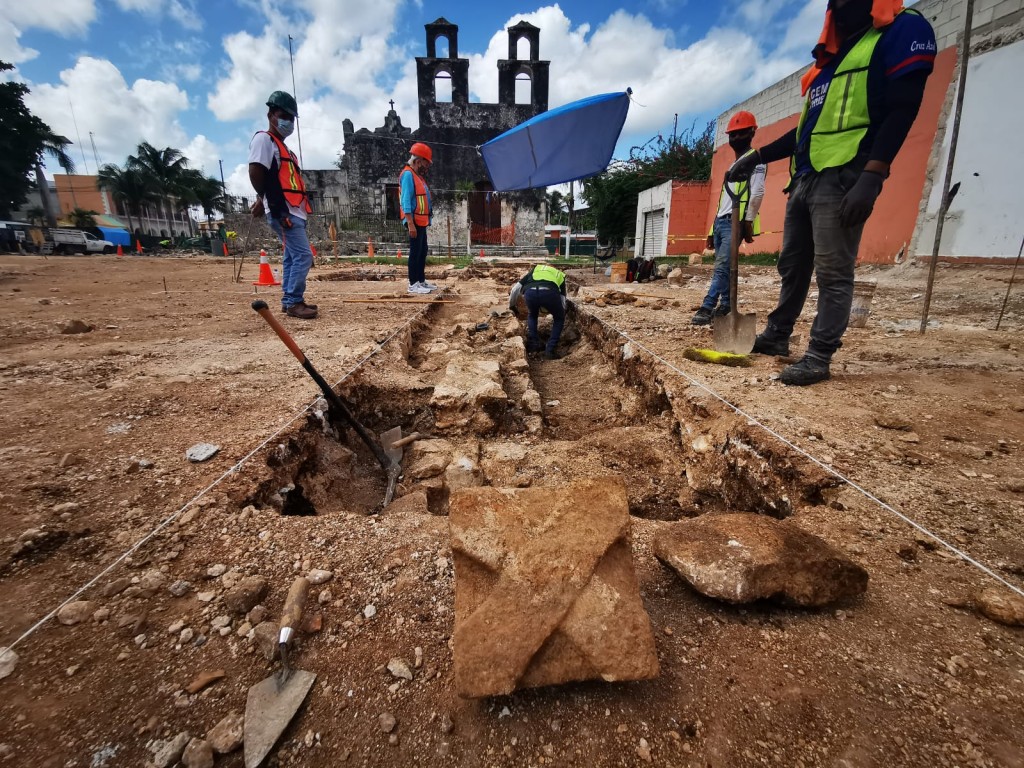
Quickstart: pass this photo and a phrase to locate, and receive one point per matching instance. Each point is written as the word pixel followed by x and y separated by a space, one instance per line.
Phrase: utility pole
pixel 78 136
pixel 95 154
pixel 298 127
pixel 223 186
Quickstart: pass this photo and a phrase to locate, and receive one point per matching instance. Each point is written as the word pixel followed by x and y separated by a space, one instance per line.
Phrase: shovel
pixel 272 703
pixel 338 406
pixel 735 333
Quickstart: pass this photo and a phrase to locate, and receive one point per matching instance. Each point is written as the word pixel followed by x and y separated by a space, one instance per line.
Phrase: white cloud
pixel 67 18
pixel 182 11
pixel 118 115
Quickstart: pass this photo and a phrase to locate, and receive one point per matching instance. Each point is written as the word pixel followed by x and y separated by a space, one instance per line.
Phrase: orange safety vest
pixel 421 216
pixel 290 176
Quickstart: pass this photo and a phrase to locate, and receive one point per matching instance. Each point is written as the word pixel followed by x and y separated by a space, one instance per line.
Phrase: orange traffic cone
pixel 369 249
pixel 120 252
pixel 399 253
pixel 138 246
pixel 225 247
pixel 481 253
pixel 313 249
pixel 266 276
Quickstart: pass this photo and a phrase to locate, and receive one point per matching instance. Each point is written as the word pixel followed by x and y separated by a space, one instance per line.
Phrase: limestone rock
pixel 266 638
pixel 246 595
pixel 1001 606
pixel 198 754
pixel 427 458
pixel 675 277
pixel 742 557
pixel 74 326
pixel 463 472
pixel 319 576
pixel 545 588
pixel 400 669
pixel 531 401
pixel 8 662
pixel 414 503
pixel 226 736
pixel 468 387
pixel 76 612
pixel 663 270
pixel 167 753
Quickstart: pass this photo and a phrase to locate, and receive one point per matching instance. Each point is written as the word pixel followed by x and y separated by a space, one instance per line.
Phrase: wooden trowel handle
pixel 294 603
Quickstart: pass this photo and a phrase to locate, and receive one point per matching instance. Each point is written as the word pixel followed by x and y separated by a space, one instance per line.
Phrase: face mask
pixel 740 143
pixel 285 127
pixel 852 17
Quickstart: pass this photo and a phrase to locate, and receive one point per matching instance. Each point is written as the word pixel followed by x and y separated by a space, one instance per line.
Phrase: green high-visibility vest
pixel 744 199
pixel 844 120
pixel 545 272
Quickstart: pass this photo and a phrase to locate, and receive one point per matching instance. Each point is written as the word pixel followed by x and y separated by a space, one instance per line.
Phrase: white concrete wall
pixel 651 200
pixel 984 219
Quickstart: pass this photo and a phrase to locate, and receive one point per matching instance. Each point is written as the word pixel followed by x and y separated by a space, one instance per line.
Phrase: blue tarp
pixel 564 144
pixel 116 236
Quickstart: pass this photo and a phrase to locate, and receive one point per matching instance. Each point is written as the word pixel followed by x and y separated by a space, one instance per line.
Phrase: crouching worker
pixel 543 287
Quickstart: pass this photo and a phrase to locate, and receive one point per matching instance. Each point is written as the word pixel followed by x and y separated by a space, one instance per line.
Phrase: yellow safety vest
pixel 552 275
pixel 744 199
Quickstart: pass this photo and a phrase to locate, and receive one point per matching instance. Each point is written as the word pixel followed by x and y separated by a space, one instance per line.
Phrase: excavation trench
pixel 490 414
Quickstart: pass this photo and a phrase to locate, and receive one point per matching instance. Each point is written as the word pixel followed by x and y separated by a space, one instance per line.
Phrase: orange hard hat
pixel 419 149
pixel 741 121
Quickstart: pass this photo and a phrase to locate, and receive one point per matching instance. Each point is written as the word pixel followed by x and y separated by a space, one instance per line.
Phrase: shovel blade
pixel 268 711
pixel 735 333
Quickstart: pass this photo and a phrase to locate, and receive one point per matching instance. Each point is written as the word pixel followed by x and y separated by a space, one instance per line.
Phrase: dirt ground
pixel 96 426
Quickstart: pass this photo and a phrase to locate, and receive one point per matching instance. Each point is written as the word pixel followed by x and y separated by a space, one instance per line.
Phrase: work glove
pixel 748 231
pixel 744 166
pixel 858 203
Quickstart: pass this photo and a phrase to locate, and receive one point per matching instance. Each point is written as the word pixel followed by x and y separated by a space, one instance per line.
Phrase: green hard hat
pixel 283 100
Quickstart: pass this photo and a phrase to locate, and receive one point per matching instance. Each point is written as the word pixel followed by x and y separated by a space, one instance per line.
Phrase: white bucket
pixel 860 310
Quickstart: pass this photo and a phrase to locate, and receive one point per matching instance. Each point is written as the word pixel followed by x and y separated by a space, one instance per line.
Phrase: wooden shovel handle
pixel 295 603
pixel 264 311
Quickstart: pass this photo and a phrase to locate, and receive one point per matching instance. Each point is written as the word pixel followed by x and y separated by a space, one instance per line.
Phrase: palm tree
pixel 206 192
pixel 82 219
pixel 164 167
pixel 556 205
pixel 129 186
pixel 55 146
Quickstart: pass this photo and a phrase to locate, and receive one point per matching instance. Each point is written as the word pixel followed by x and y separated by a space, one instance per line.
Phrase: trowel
pixel 735 333
pixel 272 703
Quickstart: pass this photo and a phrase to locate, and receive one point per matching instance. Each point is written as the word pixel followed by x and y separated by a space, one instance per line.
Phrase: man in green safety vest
pixel 740 131
pixel 543 287
pixel 862 96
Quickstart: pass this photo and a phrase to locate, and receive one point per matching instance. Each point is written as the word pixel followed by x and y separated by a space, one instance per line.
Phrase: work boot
pixel 550 355
pixel 810 370
pixel 767 346
pixel 723 310
pixel 702 317
pixel 301 311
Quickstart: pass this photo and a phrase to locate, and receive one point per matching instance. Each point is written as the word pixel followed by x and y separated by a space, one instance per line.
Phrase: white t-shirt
pixel 756 194
pixel 263 150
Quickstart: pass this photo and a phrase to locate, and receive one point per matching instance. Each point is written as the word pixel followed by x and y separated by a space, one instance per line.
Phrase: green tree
pixel 166 170
pixel 613 194
pixel 82 219
pixel 24 140
pixel 556 205
pixel 205 191
pixel 55 146
pixel 130 187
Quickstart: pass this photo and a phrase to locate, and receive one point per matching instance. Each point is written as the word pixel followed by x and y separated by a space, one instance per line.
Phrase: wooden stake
pixel 165 286
pixel 397 301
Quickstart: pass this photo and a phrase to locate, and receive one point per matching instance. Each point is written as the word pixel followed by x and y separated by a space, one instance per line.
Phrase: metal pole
pixel 568 228
pixel 298 128
pixel 223 186
pixel 1006 298
pixel 79 137
pixel 449 236
pixel 946 198
pixel 95 154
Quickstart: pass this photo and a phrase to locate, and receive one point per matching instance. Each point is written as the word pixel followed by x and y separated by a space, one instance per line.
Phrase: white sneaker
pixel 418 288
pixel 430 286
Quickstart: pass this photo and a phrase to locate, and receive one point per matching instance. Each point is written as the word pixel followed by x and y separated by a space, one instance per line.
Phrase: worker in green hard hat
pixel 276 177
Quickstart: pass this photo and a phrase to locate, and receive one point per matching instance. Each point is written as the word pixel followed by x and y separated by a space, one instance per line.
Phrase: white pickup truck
pixel 77 241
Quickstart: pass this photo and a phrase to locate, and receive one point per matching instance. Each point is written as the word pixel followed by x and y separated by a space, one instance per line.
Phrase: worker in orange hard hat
pixel 863 93
pixel 416 208
pixel 749 194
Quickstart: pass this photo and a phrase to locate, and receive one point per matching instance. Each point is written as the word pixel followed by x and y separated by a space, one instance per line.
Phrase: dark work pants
pixel 813 241
pixel 551 300
pixel 418 256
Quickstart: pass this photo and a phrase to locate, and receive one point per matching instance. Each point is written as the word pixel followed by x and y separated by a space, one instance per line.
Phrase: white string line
pixel 170 519
pixel 958 552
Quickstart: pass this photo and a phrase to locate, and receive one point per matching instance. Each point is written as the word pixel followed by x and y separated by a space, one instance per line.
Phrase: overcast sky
pixel 194 74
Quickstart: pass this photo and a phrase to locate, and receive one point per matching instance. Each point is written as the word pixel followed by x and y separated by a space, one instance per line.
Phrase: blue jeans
pixel 814 242
pixel 719 289
pixel 418 256
pixel 551 300
pixel 298 258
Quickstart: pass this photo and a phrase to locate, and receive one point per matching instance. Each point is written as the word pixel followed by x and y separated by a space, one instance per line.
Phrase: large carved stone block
pixel 545 590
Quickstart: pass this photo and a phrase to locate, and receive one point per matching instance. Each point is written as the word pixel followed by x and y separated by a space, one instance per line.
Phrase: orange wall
pixel 686 217
pixel 891 226
pixel 80 192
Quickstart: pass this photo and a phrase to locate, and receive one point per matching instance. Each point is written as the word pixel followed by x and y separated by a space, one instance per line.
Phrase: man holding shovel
pixel 277 179
pixel 740 131
pixel 863 94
